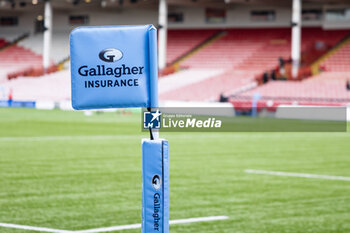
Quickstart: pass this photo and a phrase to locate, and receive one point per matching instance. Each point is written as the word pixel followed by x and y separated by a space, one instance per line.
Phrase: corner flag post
pixel 155 164
pixel 117 67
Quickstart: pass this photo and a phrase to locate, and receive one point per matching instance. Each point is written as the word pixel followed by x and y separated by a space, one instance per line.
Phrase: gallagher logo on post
pixel 156 182
pixel 152 120
pixel 110 55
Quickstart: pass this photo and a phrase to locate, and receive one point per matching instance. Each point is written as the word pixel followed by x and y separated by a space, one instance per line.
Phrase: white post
pixel 296 37
pixel 47 34
pixel 163 23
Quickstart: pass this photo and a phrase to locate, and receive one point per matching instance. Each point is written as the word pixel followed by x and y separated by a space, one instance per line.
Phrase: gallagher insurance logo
pixel 110 55
pixel 101 76
pixel 156 182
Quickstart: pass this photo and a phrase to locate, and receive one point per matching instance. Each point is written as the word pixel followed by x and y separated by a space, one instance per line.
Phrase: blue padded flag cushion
pixel 114 67
pixel 155 186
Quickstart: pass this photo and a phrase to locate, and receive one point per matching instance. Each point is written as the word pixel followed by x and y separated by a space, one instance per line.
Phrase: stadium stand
pixel 184 78
pixel 17 58
pixel 208 89
pixel 3 42
pixel 240 54
pixel 182 41
pixel 59 46
pixel 338 61
pixel 324 89
pixel 226 52
pixel 257 49
pixel 50 87
pixel 245 53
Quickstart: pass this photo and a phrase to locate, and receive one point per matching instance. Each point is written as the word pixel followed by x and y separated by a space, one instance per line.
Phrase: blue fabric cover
pixel 155 195
pixel 114 67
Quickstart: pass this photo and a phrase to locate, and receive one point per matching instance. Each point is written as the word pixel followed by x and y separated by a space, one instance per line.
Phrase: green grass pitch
pixel 65 170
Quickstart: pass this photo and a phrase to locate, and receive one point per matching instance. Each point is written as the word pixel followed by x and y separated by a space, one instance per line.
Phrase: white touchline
pixel 293 174
pixel 202 219
pixel 134 226
pixel 30 228
pixel 77 137
pixel 113 228
pixel 55 138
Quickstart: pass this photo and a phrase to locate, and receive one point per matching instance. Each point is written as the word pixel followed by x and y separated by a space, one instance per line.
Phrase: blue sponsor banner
pixel 155 187
pixel 114 67
pixel 17 104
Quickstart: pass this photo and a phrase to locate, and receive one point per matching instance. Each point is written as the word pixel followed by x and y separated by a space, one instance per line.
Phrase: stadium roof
pixel 23 5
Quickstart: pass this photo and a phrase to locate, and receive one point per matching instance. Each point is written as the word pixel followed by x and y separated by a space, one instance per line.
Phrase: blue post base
pixel 155 186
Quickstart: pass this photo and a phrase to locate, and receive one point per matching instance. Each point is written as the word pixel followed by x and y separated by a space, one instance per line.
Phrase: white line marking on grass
pixel 30 228
pixel 135 226
pixel 99 137
pixel 55 138
pixel 202 219
pixel 293 174
pixel 113 228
